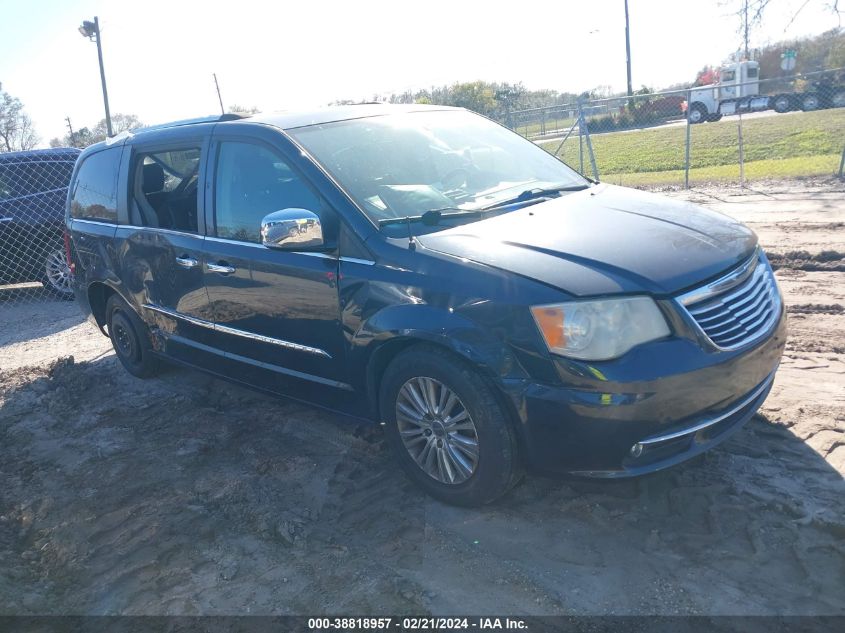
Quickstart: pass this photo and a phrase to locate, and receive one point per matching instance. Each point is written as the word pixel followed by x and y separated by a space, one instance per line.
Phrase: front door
pixel 276 312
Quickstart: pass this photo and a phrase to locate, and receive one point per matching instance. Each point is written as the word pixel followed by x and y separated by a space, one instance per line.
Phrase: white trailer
pixel 738 91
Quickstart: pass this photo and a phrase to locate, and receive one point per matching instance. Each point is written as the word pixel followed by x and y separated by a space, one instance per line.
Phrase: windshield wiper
pixel 432 217
pixel 535 194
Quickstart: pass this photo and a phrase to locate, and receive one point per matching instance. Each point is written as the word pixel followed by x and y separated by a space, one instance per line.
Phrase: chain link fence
pixel 739 130
pixel 33 191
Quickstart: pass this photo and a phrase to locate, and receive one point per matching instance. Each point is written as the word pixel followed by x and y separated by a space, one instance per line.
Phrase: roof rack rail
pixel 229 116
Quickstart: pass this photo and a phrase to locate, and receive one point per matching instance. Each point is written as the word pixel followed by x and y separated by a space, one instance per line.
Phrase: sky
pixel 159 55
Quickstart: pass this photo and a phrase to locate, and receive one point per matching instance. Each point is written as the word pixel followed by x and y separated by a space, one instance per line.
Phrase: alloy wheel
pixel 437 430
pixel 58 272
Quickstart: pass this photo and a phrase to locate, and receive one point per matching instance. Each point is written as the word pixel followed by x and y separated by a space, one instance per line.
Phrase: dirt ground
pixel 187 495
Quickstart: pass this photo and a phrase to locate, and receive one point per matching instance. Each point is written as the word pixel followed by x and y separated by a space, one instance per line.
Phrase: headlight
pixel 599 330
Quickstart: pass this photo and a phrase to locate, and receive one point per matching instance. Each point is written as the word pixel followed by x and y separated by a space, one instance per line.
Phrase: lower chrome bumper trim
pixel 710 421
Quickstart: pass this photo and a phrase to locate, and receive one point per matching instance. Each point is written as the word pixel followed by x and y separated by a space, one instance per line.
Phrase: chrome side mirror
pixel 291 230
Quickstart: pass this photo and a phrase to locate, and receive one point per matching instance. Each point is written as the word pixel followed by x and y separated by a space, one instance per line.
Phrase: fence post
pixel 580 142
pixel 589 145
pixel 842 165
pixel 686 153
pixel 741 153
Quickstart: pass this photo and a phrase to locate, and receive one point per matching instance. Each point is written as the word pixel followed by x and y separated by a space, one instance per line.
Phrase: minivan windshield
pixel 434 167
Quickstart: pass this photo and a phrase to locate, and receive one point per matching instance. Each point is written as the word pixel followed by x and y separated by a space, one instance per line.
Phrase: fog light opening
pixel 636 450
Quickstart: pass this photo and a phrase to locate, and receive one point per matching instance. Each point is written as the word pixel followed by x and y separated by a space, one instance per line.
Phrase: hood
pixel 603 240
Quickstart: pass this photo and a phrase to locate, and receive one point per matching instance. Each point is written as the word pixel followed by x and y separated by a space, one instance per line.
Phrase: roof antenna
pixel 219 98
pixel 412 243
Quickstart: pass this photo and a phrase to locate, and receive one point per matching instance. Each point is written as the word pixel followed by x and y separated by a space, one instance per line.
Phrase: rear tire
pixel 782 103
pixel 479 448
pixel 810 102
pixel 130 339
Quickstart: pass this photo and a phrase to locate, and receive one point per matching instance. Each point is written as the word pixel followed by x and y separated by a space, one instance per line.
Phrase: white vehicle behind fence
pixel 738 91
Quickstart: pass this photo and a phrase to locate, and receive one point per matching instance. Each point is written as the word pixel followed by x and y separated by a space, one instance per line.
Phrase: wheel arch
pixel 98 296
pixel 399 328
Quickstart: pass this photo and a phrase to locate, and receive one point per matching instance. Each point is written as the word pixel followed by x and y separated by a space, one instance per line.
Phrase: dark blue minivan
pixel 33 191
pixel 424 268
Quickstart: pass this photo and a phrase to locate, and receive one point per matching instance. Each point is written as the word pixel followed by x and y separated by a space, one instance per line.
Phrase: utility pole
pixel 745 26
pixel 91 30
pixel 103 76
pixel 70 132
pixel 628 56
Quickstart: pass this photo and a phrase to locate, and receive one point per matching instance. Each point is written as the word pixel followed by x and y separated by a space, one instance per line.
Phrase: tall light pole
pixel 91 30
pixel 628 55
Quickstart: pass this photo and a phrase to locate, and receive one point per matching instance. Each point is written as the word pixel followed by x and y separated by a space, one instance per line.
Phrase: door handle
pixel 186 262
pixel 221 267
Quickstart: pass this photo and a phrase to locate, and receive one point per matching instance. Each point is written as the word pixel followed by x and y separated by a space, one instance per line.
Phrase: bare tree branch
pixel 752 12
pixel 795 15
pixel 16 129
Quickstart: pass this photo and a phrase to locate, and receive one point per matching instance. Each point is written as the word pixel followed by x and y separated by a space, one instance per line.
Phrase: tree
pixel 602 91
pixel 706 76
pixel 751 12
pixel 83 137
pixel 239 109
pixel 119 123
pixel 475 95
pixel 16 129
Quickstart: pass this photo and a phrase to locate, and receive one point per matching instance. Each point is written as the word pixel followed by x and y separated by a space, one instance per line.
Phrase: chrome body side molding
pixel 236 332
pixel 257 363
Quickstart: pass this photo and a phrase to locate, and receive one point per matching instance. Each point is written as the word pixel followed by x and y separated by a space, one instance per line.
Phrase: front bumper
pixel 671 400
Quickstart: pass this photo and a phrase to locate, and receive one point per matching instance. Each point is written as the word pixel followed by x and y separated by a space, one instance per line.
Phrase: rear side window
pixel 95 192
pixel 166 190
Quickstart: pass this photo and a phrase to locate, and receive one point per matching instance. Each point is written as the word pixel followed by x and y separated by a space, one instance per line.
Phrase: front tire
pixel 130 339
pixel 697 113
pixel 447 428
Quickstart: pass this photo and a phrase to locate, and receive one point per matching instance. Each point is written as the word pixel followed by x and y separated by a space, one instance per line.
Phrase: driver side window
pixel 252 181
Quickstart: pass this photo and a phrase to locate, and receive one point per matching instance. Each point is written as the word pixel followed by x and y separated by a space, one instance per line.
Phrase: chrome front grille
pixel 739 308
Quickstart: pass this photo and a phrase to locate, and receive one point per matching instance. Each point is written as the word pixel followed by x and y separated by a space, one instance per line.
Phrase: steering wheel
pixel 455 179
